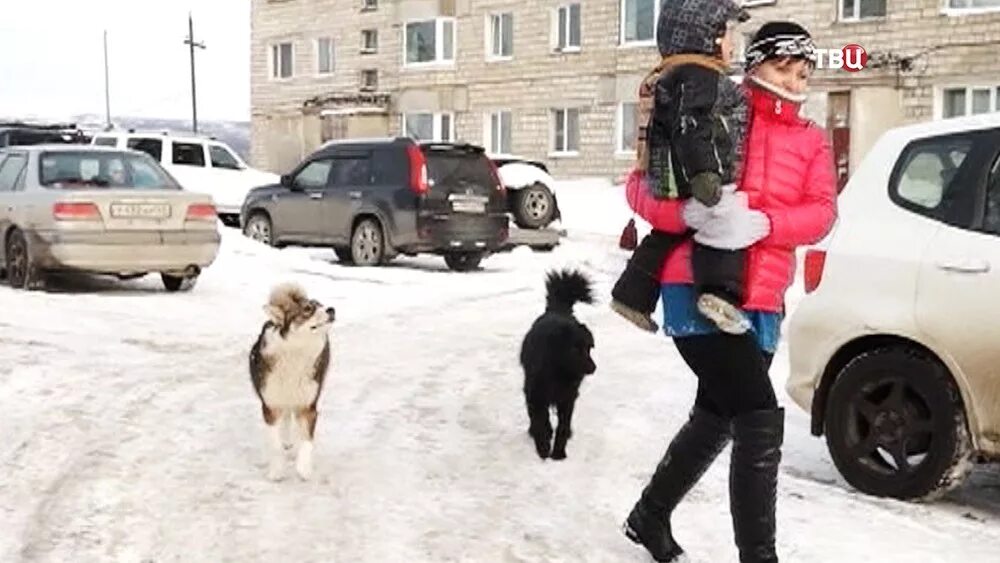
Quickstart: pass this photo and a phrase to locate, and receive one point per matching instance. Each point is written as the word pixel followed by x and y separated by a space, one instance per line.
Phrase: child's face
pixel 726 46
pixel 790 74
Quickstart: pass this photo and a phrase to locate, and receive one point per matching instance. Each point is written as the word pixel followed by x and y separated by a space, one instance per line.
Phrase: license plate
pixel 140 210
pixel 468 204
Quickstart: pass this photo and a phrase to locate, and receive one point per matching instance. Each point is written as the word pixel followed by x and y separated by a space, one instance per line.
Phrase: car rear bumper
pixel 129 252
pixel 464 233
pixel 808 353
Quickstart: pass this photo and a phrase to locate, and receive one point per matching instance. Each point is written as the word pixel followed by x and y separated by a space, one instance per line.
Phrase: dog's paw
pixel 304 461
pixel 558 454
pixel 542 451
pixel 276 473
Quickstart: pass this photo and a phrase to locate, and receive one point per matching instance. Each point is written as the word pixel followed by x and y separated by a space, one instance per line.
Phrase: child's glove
pixel 696 213
pixel 706 187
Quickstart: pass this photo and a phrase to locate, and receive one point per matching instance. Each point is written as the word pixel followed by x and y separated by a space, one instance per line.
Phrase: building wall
pixel 529 85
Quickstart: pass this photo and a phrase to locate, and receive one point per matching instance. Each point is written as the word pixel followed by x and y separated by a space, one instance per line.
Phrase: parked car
pixel 894 347
pixel 531 196
pixel 99 210
pixel 372 199
pixel 200 164
pixel 17 133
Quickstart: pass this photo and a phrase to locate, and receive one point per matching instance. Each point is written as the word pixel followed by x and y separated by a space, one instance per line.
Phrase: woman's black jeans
pixel 732 373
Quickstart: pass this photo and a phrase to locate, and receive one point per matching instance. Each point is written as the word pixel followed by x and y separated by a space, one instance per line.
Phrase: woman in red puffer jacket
pixel 786 198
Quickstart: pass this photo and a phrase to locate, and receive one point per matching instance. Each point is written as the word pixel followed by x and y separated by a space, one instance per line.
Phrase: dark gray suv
pixel 374 199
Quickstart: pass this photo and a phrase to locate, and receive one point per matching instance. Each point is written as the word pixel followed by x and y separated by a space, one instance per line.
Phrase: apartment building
pixel 927 59
pixel 548 79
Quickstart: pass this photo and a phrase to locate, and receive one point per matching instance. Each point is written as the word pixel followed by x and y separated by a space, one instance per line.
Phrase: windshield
pixel 109 169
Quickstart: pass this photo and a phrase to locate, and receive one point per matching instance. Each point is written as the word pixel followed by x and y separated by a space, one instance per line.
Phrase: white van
pixel 200 164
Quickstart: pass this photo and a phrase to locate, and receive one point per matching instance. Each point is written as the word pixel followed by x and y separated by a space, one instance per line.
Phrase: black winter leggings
pixel 731 371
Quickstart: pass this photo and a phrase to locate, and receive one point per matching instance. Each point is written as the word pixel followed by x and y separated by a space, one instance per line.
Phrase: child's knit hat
pixel 692 26
pixel 775 40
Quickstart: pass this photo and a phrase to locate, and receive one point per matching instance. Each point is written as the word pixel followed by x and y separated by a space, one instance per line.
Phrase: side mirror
pixel 286 181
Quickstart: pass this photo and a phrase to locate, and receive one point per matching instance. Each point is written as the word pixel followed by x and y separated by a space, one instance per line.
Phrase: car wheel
pixel 259 228
pixel 463 261
pixel 534 206
pixel 367 244
pixel 343 255
pixel 178 283
pixel 22 273
pixel 896 426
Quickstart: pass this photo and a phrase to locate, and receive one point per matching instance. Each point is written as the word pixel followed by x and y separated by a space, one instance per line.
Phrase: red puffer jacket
pixel 787 174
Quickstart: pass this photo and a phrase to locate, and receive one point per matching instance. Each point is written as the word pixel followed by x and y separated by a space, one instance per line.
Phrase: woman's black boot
pixel 753 481
pixel 692 451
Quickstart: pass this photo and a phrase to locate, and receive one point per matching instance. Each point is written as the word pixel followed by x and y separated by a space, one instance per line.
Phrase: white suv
pixel 200 164
pixel 895 349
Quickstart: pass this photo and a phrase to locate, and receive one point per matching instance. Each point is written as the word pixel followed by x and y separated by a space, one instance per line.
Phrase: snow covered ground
pixel 130 431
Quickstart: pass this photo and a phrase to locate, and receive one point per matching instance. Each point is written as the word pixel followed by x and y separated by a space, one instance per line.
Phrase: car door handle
pixel 354 195
pixel 967 266
pixel 315 195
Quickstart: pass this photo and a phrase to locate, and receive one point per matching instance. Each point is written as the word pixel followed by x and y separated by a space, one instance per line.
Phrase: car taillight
pixel 814 263
pixel 418 169
pixel 496 176
pixel 75 211
pixel 200 212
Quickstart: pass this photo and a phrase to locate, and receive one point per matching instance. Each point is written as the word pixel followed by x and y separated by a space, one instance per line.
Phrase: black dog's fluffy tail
pixel 567 288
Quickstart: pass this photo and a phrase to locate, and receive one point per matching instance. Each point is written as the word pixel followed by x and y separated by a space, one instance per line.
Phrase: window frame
pixel 298 172
pixel 317 50
pixel 622 42
pixel 969 90
pixel 211 160
pixel 274 61
pixel 18 183
pixel 491 38
pixel 365 49
pixel 204 154
pixel 369 5
pixel 130 143
pixel 948 10
pixel 620 149
pixel 364 87
pixel 439 60
pixel 557 29
pixel 555 151
pixel 856 17
pixel 436 128
pixel 489 133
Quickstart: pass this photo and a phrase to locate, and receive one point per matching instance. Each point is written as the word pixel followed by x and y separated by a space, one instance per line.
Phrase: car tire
pixel 534 206
pixel 260 229
pixel 21 270
pixel 174 284
pixel 463 261
pixel 367 243
pixel 896 425
pixel 344 255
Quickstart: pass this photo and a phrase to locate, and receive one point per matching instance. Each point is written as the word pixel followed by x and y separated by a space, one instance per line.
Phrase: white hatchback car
pixel 895 349
pixel 200 164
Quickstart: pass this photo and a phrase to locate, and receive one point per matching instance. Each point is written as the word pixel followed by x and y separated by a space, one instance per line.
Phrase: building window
pixel 369 80
pixel 565 130
pixel 861 9
pixel 628 126
pixel 369 5
pixel 499 137
pixel 567 28
pixel 500 36
pixel 369 41
pixel 426 126
pixel 429 42
pixel 974 100
pixel 281 60
pixel 638 21
pixel 973 5
pixel 324 55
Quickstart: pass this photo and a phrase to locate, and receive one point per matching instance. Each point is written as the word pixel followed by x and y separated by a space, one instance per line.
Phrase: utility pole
pixel 107 84
pixel 191 43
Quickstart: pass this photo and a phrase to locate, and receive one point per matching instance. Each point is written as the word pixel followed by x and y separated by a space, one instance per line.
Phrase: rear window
pixel 450 166
pixel 68 170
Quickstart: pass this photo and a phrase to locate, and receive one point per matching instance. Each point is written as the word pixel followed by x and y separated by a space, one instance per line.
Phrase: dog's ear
pixel 274 314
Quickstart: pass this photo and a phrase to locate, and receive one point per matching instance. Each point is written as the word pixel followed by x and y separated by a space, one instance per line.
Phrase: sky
pixel 52 58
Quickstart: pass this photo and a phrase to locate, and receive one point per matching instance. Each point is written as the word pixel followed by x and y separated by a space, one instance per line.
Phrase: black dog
pixel 555 356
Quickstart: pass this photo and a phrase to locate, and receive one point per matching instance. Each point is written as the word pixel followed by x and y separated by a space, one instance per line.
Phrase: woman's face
pixel 789 74
pixel 726 46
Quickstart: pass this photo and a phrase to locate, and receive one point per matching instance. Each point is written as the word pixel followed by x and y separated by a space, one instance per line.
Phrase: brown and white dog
pixel 288 365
